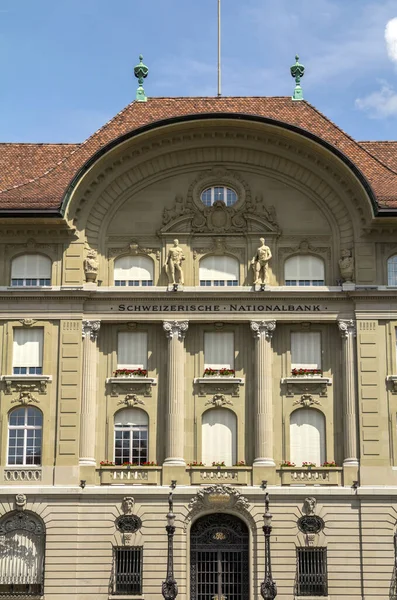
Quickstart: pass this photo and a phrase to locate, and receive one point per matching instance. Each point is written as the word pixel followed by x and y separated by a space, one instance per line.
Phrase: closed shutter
pixel 307 268
pixel 131 416
pixel 306 350
pixel 307 436
pixel 28 347
pixel 219 350
pixel 133 268
pixel 219 268
pixel 132 350
pixel 219 437
pixel 31 266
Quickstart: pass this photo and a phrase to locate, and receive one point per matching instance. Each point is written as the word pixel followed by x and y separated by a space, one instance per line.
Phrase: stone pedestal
pixel 347 330
pixel 88 394
pixel 175 423
pixel 263 332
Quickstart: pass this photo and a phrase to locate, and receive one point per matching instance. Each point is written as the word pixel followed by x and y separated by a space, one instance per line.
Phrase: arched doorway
pixel 219 563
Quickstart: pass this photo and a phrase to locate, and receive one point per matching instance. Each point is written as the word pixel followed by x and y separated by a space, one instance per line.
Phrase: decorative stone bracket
pixel 131 385
pixel 305 385
pixel 219 385
pixel 26 383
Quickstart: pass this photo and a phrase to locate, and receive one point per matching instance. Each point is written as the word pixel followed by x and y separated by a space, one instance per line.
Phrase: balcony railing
pixel 129 475
pixel 233 475
pixel 311 475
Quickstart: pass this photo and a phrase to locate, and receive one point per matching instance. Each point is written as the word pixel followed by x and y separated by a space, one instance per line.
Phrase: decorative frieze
pixel 219 386
pixel 307 385
pixel 24 384
pixel 22 475
pixel 131 386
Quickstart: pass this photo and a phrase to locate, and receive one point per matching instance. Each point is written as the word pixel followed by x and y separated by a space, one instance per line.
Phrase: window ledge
pixel 34 383
pixel 126 378
pixel 219 379
pixel 217 384
pixel 393 381
pixel 137 385
pixel 301 382
pixel 126 597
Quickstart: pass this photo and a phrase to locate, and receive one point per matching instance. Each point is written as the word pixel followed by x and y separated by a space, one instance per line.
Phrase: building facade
pixel 201 297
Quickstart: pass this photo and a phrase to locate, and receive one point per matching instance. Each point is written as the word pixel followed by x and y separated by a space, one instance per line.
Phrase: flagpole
pixel 219 48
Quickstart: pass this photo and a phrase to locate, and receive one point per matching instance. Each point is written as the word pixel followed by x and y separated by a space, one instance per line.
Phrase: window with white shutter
pixel 304 270
pixel 133 271
pixel 306 350
pixel 307 436
pixel 392 270
pixel 27 356
pixel 132 350
pixel 219 350
pixel 31 270
pixel 219 437
pixel 219 271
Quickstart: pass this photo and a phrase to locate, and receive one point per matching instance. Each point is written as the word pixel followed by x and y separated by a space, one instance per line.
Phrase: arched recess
pixel 219 436
pixel 307 436
pixel 219 557
pixel 23 554
pixel 290 156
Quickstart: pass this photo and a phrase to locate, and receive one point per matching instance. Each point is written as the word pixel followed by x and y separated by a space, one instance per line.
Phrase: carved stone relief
pixel 306 400
pixel 216 498
pixel 27 322
pixel 131 400
pixel 229 387
pixel 219 247
pixel 219 400
pixel 25 397
pixel 91 265
pixel 133 249
pixel 36 385
pixel 20 501
pixel 346 266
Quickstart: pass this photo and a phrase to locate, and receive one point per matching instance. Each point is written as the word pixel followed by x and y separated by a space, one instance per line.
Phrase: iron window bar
pixel 127 570
pixel 311 572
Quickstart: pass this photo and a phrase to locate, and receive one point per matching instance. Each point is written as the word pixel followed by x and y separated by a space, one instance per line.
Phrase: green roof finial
pixel 297 72
pixel 141 72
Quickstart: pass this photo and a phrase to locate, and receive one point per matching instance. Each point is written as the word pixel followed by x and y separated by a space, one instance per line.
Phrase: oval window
pixel 216 193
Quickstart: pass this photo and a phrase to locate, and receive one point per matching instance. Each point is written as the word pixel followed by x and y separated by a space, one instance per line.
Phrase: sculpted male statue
pixel 174 263
pixel 260 263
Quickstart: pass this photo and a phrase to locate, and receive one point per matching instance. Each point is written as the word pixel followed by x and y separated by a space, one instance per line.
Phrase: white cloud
pixel 380 104
pixel 391 39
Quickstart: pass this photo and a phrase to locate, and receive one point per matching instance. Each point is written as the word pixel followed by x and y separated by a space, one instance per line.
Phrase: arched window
pixel 219 271
pixel 31 269
pixel 130 436
pixel 218 193
pixel 392 270
pixel 25 427
pixel 133 271
pixel 307 436
pixel 219 437
pixel 22 554
pixel 304 270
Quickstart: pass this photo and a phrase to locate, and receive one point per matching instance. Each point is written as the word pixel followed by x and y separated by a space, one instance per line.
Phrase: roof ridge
pixel 40 143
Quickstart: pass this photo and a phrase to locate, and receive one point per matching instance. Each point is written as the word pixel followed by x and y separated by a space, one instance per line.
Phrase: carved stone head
pixel 128 505
pixel 20 501
pixel 262 241
pixel 176 243
pixel 310 505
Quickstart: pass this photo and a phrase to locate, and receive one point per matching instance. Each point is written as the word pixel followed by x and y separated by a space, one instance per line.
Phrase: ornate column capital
pixel 91 329
pixel 265 328
pixel 175 329
pixel 347 327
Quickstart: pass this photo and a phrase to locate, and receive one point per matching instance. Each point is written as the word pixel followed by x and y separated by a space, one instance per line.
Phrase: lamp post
pixel 268 586
pixel 169 589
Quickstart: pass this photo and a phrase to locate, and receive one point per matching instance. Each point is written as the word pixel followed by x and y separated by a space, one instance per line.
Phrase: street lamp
pixel 169 589
pixel 268 586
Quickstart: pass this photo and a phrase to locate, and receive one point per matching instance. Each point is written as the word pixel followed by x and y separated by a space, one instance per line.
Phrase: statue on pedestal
pixel 91 266
pixel 260 263
pixel 346 266
pixel 174 263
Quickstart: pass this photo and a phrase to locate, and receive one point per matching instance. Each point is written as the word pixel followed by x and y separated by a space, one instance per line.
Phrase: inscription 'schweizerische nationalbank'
pixel 220 308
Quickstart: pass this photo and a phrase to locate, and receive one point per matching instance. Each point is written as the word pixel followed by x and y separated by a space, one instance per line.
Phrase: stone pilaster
pixel 263 333
pixel 347 330
pixel 88 394
pixel 175 424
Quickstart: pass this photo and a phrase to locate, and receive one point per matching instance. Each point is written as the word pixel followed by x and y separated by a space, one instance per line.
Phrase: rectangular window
pixel 27 356
pixel 219 350
pixel 127 570
pixel 132 350
pixel 306 350
pixel 311 572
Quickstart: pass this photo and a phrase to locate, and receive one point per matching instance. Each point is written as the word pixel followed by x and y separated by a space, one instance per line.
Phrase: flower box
pixel 129 475
pixel 234 475
pixel 219 372
pixel 130 373
pixel 300 372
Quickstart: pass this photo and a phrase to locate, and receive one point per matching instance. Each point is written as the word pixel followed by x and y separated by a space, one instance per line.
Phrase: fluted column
pixel 347 330
pixel 263 333
pixel 175 432
pixel 89 393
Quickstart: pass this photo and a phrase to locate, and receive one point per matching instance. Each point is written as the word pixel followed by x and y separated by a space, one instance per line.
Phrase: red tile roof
pixel 386 152
pixel 20 163
pixel 46 190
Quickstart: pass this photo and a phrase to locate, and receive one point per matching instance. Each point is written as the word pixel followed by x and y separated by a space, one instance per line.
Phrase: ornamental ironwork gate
pixel 219 564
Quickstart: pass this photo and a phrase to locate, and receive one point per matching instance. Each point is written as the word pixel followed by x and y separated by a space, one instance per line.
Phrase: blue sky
pixel 67 65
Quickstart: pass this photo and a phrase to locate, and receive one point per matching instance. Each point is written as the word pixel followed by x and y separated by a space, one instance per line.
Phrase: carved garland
pixel 217 498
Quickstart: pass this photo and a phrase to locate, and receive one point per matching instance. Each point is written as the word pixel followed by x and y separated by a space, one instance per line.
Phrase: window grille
pixel 22 555
pixel 127 570
pixel 311 572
